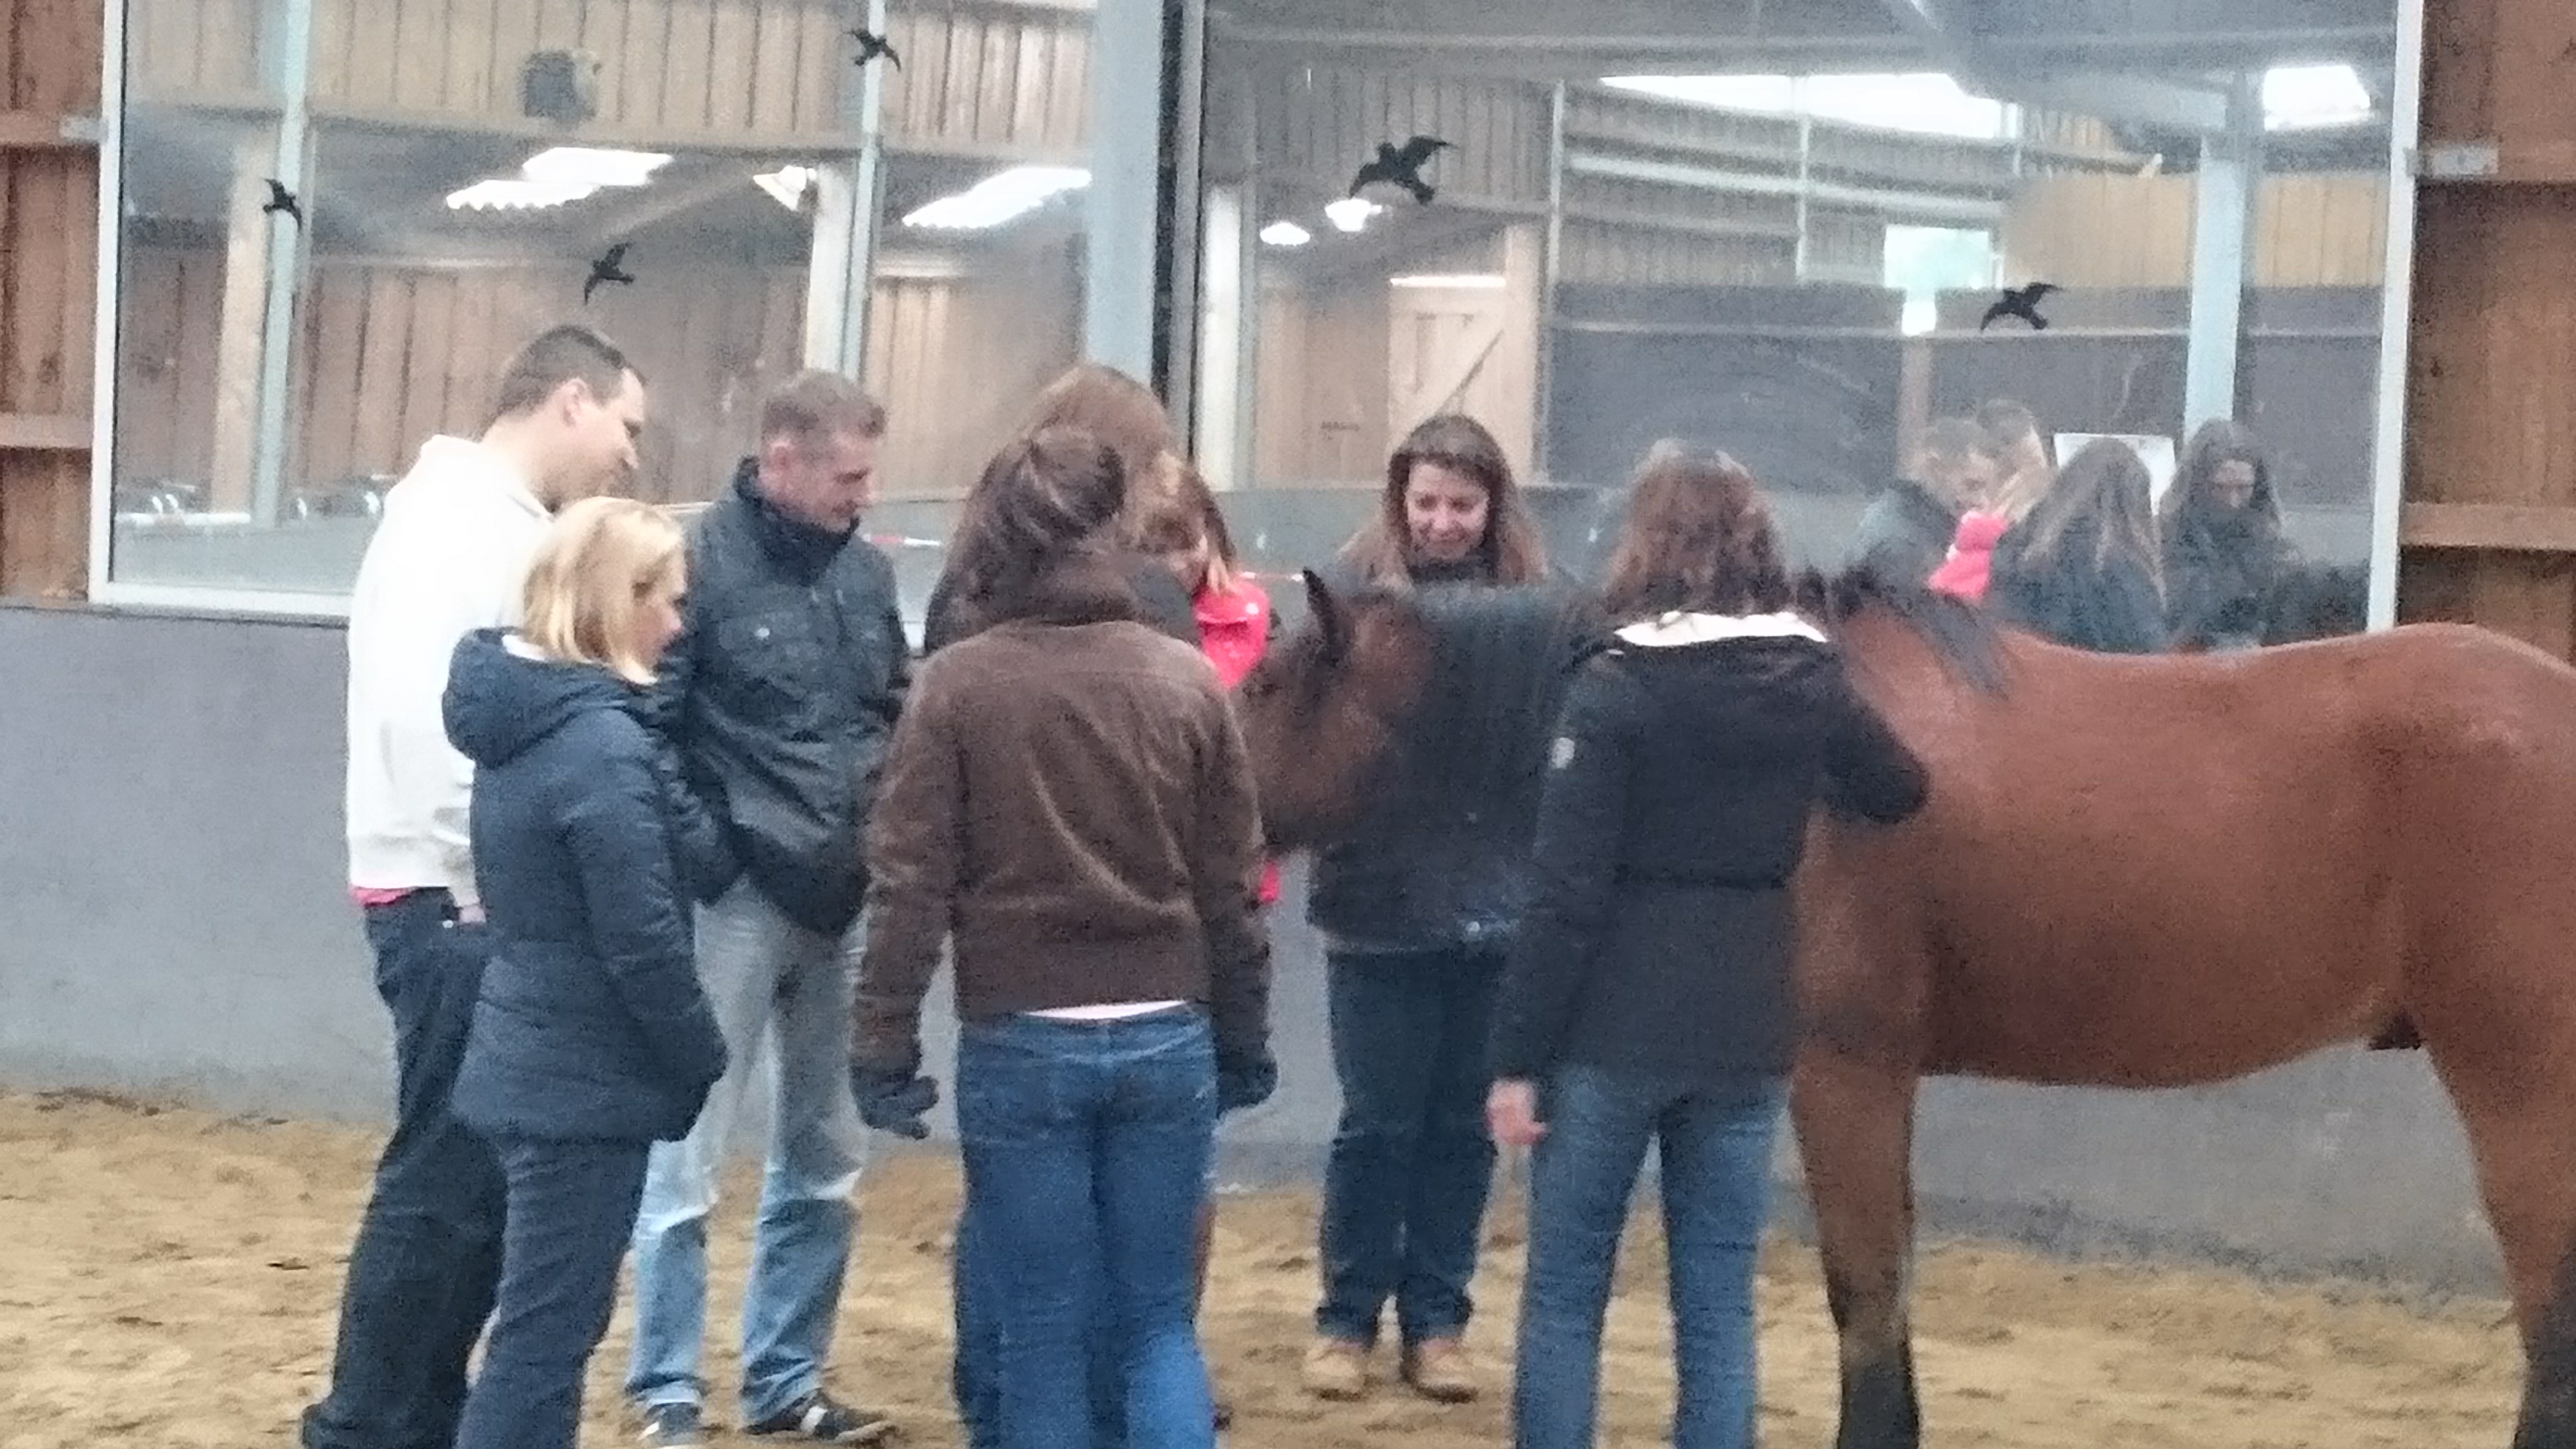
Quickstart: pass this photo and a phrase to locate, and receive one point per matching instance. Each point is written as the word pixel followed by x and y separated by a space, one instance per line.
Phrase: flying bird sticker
pixel 1402 166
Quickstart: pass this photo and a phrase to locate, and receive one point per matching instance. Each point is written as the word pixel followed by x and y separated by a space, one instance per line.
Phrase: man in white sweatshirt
pixel 449 556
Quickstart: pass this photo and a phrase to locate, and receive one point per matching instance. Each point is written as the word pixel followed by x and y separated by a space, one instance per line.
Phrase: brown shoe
pixel 1336 1368
pixel 1439 1370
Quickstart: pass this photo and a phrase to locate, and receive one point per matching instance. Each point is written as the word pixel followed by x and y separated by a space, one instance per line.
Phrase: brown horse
pixel 2132 873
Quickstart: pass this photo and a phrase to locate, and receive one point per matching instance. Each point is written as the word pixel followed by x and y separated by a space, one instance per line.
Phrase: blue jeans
pixel 1086 1147
pixel 1714 1148
pixel 769 980
pixel 571 1204
pixel 428 1251
pixel 1411 1164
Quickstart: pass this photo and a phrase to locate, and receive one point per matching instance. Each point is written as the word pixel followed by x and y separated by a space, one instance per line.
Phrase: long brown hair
pixel 1699 539
pixel 1042 500
pixel 1382 550
pixel 1177 514
pixel 1112 407
pixel 2104 501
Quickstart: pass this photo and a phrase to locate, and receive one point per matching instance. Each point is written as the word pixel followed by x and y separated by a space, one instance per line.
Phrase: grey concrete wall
pixel 173 920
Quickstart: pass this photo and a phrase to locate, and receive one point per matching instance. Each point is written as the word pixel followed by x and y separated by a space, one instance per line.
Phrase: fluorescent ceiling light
pixel 1286 234
pixel 514 193
pixel 593 165
pixel 1351 213
pixel 999 198
pixel 1922 102
pixel 1464 281
pixel 2303 97
pixel 787 185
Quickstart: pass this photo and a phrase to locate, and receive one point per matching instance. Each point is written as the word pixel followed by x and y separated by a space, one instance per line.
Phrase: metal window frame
pixel 2396 317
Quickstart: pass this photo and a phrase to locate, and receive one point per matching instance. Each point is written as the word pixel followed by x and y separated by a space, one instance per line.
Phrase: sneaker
pixel 1336 1368
pixel 673 1426
pixel 1439 1370
pixel 825 1421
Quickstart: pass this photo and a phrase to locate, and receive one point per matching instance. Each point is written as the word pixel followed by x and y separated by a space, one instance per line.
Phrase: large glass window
pixel 1796 262
pixel 457 168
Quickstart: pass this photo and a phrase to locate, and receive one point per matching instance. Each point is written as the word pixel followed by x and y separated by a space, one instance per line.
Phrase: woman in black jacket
pixel 2083 568
pixel 591 1038
pixel 2224 552
pixel 1648 998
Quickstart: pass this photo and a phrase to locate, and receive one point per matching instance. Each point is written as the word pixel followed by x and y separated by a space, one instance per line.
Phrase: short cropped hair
pixel 601 561
pixel 815 406
pixel 557 356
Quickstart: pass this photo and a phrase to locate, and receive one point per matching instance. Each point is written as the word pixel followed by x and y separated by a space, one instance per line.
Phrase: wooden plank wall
pixel 2489 531
pixel 976 79
pixel 387 356
pixel 49 67
pixel 2328 229
pixel 1318 123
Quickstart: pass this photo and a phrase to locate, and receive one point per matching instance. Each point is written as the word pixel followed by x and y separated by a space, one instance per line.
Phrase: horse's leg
pixel 2518 1108
pixel 1855 1121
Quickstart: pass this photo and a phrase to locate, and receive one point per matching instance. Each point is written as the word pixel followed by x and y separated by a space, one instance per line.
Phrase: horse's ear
pixel 1329 616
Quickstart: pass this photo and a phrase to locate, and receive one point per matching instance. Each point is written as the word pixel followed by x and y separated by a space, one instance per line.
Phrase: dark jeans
pixel 1714 1150
pixel 428 1251
pixel 1411 1164
pixel 1086 1148
pixel 572 1205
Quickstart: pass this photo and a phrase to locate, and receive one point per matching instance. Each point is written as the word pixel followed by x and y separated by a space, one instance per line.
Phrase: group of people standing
pixel 640 816
pixel 2083 553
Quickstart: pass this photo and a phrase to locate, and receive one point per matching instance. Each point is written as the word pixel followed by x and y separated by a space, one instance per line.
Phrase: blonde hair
pixel 600 562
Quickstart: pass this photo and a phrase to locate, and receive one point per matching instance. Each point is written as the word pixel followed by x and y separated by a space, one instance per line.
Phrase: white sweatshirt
pixel 449 556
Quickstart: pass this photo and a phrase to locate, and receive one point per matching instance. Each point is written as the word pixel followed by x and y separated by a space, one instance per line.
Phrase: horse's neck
pixel 1497 678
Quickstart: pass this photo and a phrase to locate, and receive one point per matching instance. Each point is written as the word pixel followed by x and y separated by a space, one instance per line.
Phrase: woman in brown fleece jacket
pixel 1068 800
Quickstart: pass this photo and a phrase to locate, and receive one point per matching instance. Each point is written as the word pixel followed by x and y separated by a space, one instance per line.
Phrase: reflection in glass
pixel 1801 262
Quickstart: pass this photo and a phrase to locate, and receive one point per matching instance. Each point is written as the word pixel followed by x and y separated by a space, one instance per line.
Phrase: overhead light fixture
pixel 516 193
pixel 1351 213
pixel 2308 97
pixel 1001 197
pixel 594 165
pixel 1458 281
pixel 1286 234
pixel 559 176
pixel 787 185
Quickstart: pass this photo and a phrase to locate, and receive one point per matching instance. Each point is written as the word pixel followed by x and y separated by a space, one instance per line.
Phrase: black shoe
pixel 825 1421
pixel 673 1426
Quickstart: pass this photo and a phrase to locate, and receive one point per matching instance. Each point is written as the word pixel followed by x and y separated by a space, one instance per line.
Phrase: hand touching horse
pixel 2131 873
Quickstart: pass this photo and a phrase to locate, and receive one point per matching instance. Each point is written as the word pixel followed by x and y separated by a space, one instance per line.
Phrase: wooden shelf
pixel 41 432
pixel 43 131
pixel 2494 527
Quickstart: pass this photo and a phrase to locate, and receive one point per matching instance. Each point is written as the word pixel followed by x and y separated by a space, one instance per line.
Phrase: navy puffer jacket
pixel 591 1023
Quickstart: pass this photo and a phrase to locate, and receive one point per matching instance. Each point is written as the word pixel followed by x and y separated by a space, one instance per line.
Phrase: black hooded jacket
pixel 590 1023
pixel 1659 939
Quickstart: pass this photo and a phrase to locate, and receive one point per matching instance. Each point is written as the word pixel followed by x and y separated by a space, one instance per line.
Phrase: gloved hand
pixel 1245 1082
pixel 894 1100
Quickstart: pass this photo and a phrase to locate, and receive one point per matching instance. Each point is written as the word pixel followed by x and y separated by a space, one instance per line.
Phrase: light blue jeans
pixel 772 983
pixel 1714 1150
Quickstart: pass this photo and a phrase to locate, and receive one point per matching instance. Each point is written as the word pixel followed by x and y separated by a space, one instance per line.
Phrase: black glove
pixel 894 1100
pixel 1245 1082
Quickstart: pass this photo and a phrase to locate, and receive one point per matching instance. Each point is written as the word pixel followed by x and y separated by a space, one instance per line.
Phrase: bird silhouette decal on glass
pixel 283 201
pixel 2022 302
pixel 872 45
pixel 611 267
pixel 1402 166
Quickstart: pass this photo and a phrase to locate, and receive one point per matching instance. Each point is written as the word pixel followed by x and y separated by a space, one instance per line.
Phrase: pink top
pixel 1970 566
pixel 1234 632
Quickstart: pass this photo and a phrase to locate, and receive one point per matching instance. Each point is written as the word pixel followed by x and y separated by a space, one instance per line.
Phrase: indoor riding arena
pixel 1784 228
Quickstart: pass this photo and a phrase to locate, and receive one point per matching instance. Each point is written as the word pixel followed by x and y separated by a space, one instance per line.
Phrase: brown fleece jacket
pixel 1068 797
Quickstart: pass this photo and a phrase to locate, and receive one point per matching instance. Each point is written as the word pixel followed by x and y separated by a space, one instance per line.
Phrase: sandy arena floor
pixel 169 1278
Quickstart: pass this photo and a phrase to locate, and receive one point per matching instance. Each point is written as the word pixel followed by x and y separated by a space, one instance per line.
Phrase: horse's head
pixel 1322 711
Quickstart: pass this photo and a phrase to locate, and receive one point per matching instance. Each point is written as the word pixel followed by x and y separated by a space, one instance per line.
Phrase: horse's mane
pixel 1501 657
pixel 1965 639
